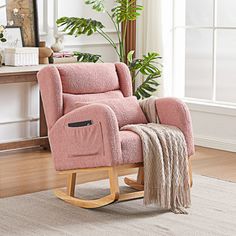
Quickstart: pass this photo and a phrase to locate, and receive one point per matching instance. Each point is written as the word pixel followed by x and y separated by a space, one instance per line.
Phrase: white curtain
pixel 154 34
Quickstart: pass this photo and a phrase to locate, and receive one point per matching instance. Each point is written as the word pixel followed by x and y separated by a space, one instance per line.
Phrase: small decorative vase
pixel 44 53
pixel 58 45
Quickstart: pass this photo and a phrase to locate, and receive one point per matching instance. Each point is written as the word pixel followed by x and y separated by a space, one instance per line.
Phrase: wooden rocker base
pixel 97 202
pixel 68 195
pixel 115 195
pixel 85 203
pixel 136 184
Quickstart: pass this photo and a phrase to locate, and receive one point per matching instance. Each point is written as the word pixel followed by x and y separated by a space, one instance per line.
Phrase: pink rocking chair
pixel 84 133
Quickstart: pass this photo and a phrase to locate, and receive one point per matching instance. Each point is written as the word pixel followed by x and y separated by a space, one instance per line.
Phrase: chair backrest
pixel 63 85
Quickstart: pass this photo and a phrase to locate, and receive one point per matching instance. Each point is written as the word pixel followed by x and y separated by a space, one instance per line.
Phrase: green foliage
pixel 147 88
pixel 97 5
pixel 87 57
pixel 126 10
pixel 2 39
pixel 77 26
pixel 130 56
pixel 147 66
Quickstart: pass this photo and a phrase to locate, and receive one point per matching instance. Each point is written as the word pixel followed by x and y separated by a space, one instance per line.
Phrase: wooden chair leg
pixel 140 177
pixel 114 182
pixel 136 184
pixel 71 181
pixel 69 197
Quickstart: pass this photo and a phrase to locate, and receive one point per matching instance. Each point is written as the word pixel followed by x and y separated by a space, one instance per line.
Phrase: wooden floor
pixel 30 170
pixel 215 163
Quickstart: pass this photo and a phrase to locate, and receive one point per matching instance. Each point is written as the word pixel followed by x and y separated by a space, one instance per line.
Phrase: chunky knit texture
pixel 165 157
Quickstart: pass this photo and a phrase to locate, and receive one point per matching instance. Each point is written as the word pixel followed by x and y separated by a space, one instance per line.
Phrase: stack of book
pixel 62 57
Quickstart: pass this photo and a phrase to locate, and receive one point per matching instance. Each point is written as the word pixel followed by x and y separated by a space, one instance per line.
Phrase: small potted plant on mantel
pixel 2 40
pixel 123 12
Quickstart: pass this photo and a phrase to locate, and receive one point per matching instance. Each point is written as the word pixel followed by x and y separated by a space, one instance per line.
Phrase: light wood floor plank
pixel 28 171
pixel 215 163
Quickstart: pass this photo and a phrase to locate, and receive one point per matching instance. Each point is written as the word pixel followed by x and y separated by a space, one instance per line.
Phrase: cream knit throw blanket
pixel 166 175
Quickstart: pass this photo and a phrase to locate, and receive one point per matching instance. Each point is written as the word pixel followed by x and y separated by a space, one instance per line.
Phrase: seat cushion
pixel 131 147
pixel 127 110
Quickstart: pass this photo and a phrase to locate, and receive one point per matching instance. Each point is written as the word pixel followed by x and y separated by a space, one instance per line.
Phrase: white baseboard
pixel 222 144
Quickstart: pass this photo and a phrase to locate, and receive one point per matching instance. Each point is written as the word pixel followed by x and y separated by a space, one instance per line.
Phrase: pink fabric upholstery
pixel 127 110
pixel 51 92
pixel 88 78
pixel 72 148
pixel 124 78
pixel 100 144
pixel 71 99
pixel 63 85
pixel 131 147
pixel 173 111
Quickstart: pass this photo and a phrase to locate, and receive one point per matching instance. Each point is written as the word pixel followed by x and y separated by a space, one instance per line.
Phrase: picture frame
pixel 24 14
pixel 14 37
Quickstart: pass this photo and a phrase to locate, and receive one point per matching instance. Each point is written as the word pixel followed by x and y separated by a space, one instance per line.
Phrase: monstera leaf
pixel 78 26
pixel 148 87
pixel 87 57
pixel 148 67
pixel 126 10
pixel 97 5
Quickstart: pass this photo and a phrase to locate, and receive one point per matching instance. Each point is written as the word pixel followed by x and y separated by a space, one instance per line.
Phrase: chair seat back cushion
pixel 87 78
pixel 127 110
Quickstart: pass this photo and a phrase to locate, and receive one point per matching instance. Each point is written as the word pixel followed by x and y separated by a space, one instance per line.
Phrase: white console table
pixel 21 75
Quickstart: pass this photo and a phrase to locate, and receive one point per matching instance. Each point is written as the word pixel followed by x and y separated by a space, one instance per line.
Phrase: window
pixel 204 42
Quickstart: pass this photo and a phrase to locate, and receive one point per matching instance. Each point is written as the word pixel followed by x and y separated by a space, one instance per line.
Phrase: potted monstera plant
pixel 123 12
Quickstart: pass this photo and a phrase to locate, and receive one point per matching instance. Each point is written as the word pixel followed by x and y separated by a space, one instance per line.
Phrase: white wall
pixel 19 111
pixel 214 125
pixel 19 102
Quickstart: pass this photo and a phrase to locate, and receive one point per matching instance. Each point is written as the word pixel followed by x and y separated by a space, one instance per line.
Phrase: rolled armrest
pixel 95 145
pixel 173 111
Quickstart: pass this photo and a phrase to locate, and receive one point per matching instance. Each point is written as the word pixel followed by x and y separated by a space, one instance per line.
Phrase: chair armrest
pixel 102 116
pixel 172 111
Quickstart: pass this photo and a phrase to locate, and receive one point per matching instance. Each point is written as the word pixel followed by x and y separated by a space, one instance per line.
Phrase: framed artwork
pixel 23 13
pixel 13 35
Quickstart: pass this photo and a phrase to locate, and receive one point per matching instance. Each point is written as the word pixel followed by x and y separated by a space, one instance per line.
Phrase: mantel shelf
pixel 19 69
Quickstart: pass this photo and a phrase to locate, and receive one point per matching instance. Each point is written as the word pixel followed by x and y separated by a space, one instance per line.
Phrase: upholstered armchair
pixel 84 129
